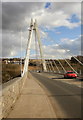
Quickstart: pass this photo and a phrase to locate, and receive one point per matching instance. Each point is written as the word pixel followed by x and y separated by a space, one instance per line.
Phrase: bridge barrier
pixel 10 93
pixel 55 73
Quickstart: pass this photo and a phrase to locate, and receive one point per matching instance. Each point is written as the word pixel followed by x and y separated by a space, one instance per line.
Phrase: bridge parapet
pixel 10 93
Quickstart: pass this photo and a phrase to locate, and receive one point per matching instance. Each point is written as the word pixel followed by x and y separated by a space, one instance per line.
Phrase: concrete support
pixel 33 26
pixel 40 46
pixel 28 49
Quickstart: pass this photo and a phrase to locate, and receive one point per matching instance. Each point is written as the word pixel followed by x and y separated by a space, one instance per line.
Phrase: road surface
pixel 65 98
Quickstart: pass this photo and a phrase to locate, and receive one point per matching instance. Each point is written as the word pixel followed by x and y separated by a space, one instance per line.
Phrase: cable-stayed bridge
pixel 43 93
pixel 48 65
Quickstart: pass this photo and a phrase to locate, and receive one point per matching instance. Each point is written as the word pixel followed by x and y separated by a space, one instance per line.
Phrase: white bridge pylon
pixel 33 27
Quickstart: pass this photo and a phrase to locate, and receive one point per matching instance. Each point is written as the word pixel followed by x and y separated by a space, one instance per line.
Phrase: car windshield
pixel 70 72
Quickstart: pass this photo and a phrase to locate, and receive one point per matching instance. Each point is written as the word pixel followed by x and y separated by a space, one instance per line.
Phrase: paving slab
pixel 32 103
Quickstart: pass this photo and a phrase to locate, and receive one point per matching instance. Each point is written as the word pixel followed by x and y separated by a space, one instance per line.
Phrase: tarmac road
pixel 65 98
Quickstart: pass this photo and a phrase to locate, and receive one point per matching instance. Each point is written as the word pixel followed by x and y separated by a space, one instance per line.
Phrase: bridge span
pixel 45 94
pixel 42 95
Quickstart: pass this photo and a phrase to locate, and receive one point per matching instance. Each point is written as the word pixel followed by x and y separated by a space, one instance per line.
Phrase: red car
pixel 70 74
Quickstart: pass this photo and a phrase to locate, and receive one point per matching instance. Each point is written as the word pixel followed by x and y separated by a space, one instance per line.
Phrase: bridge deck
pixel 32 103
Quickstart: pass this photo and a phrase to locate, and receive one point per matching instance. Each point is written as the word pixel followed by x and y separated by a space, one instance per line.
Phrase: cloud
pixel 10 44
pixel 58 32
pixel 17 15
pixel 74 45
pixel 54 19
pixel 43 34
pixel 70 47
pixel 14 14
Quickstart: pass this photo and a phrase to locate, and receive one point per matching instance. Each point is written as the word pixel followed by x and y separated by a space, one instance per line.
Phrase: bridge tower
pixel 33 27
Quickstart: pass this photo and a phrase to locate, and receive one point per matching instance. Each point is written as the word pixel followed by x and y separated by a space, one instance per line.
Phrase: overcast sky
pixel 59 24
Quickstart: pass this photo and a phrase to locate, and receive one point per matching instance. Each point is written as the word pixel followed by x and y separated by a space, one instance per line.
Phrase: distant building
pixel 13 61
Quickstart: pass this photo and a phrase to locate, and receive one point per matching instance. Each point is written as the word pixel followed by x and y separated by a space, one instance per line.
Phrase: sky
pixel 59 24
